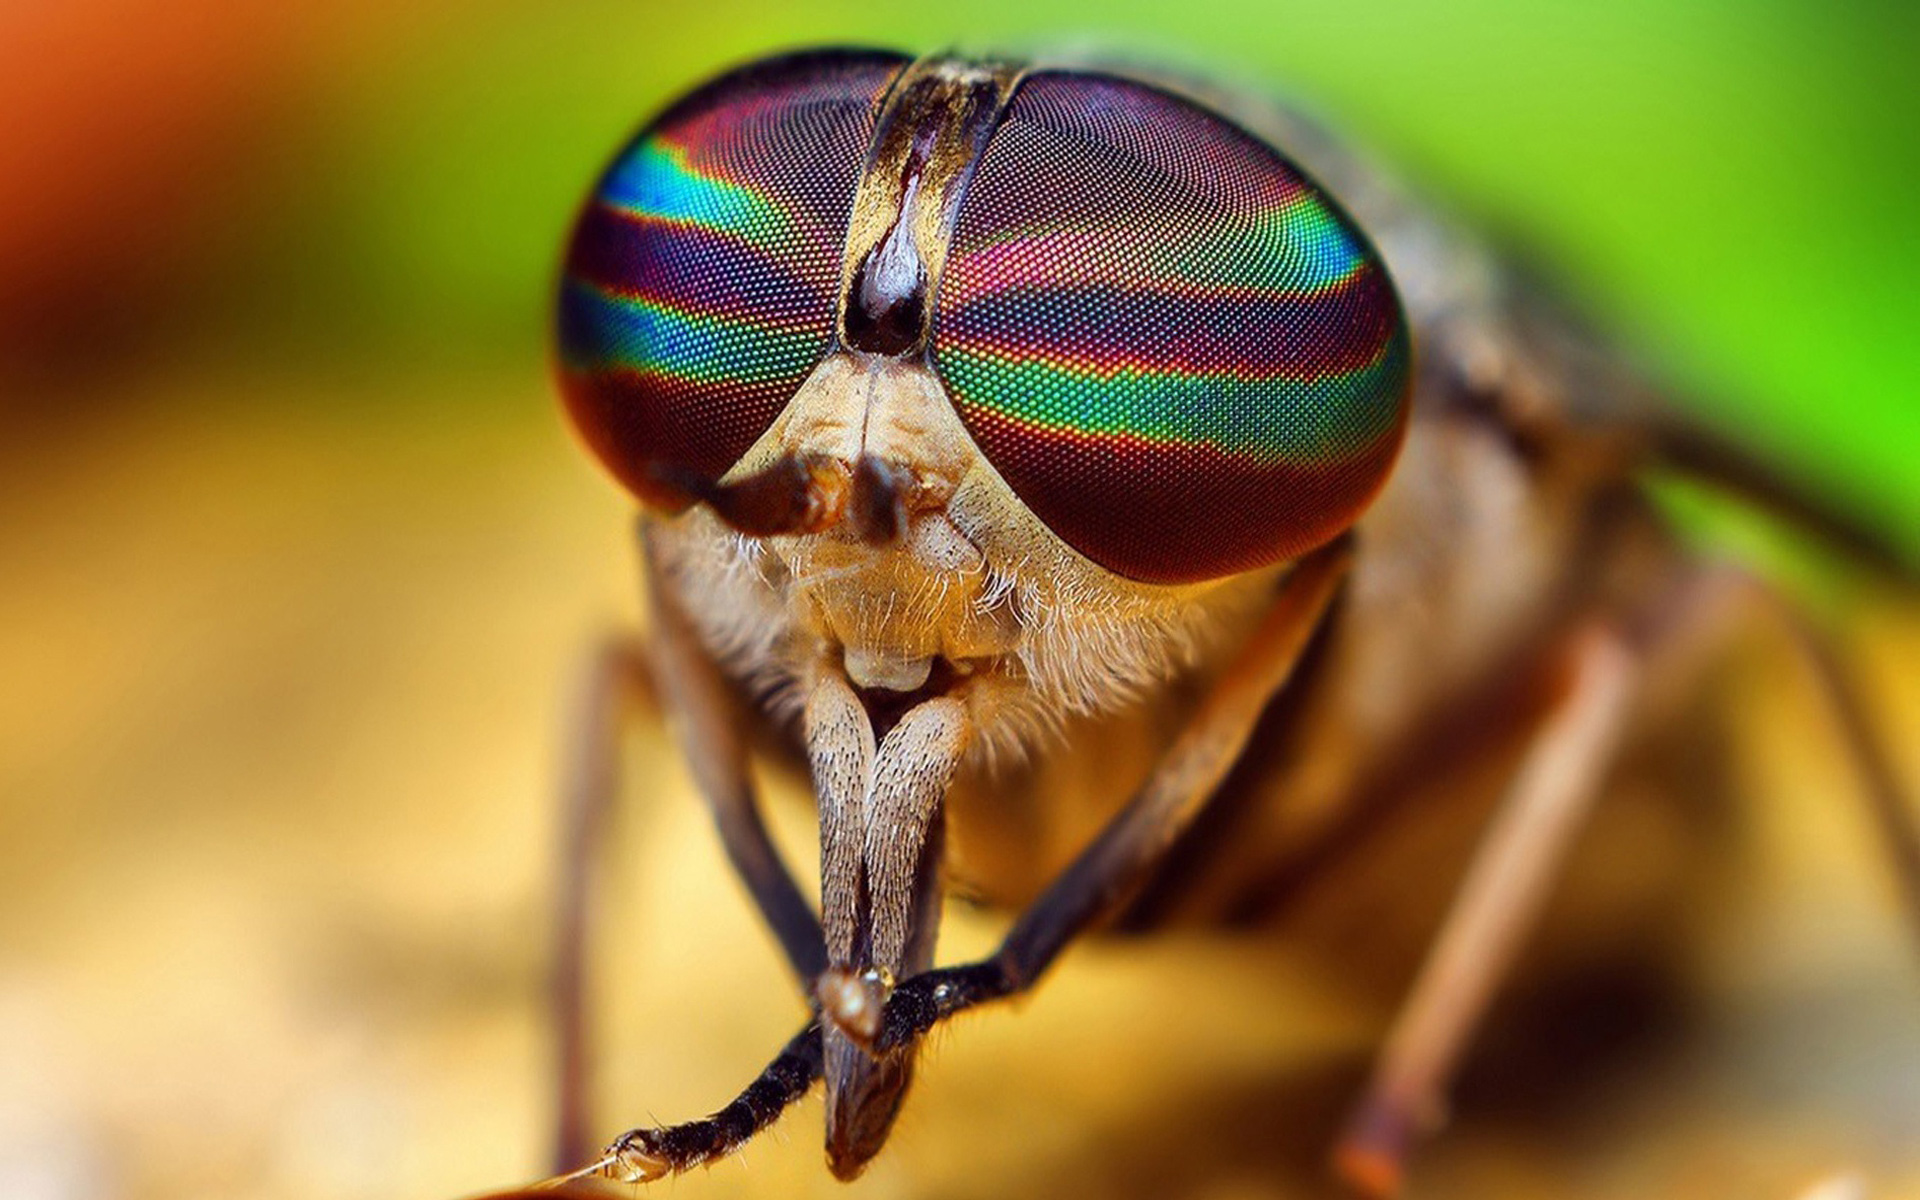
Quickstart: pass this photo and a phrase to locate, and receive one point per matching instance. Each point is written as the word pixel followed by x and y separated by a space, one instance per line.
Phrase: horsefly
pixel 986 416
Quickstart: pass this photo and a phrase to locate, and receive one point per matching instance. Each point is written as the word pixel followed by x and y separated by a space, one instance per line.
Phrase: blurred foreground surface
pixel 296 562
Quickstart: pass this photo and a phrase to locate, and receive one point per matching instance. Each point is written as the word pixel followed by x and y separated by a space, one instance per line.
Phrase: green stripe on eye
pixel 647 335
pixel 1262 419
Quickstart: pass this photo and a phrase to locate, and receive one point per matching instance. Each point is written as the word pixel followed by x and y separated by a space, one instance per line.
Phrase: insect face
pixel 1022 386
pixel 1058 352
pixel 1166 340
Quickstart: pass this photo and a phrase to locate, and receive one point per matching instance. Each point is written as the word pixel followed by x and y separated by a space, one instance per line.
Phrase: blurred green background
pixel 296 560
pixel 349 189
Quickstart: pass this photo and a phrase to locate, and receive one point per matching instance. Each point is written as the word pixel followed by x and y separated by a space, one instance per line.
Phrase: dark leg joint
pixel 924 1001
pixel 881 1019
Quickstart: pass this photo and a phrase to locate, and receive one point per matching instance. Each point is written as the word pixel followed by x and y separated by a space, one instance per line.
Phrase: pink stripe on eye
pixel 1177 351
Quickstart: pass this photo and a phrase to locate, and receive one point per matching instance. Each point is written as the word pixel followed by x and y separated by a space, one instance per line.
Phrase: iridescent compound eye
pixel 1178 353
pixel 701 281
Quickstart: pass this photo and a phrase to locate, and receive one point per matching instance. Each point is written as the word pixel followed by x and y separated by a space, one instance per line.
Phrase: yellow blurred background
pixel 296 561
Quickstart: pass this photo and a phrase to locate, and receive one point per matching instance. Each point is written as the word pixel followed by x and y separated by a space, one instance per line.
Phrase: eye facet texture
pixel 1179 354
pixel 700 284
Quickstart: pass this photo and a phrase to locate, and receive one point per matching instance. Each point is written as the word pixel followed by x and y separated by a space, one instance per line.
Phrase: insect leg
pixel 667 671
pixel 1503 892
pixel 1709 609
pixel 1125 853
pixel 642 1155
pixel 1696 451
pixel 711 731
pixel 616 676
pixel 1890 808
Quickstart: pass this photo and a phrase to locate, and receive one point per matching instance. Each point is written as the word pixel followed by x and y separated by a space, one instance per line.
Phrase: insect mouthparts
pixel 889 687
pixel 871 670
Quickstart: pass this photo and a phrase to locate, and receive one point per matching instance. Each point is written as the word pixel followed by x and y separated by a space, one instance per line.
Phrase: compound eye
pixel 1178 352
pixel 700 282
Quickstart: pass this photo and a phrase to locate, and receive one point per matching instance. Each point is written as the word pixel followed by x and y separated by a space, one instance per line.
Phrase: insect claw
pixel 854 1002
pixel 599 1169
pixel 629 1160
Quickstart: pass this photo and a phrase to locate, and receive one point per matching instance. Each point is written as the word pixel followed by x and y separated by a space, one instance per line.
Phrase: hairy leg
pixel 668 673
pixel 711 731
pixel 642 1155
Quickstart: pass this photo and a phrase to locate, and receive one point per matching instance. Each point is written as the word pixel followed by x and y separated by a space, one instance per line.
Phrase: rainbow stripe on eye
pixel 1178 353
pixel 1223 262
pixel 657 182
pixel 1155 405
pixel 700 283
pixel 648 336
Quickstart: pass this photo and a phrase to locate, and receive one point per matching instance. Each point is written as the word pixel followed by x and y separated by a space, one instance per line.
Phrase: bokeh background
pixel 296 559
